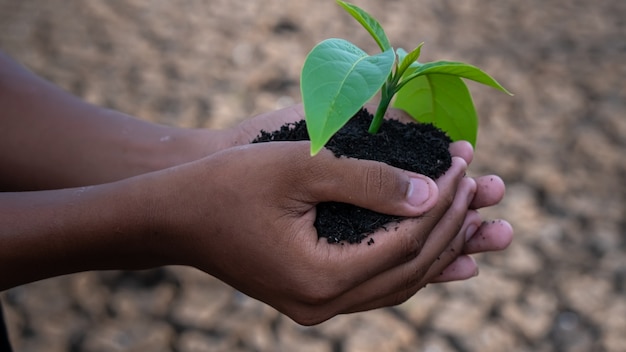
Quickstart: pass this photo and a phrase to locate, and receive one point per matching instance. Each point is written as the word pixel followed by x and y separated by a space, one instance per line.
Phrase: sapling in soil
pixel 338 79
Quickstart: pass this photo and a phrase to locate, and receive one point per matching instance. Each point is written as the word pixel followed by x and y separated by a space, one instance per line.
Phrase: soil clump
pixel 421 148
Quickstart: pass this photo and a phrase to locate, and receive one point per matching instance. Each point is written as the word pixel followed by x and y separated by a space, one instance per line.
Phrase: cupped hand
pixel 454 261
pixel 481 235
pixel 245 215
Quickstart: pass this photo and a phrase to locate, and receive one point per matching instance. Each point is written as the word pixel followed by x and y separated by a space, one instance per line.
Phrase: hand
pixel 245 215
pixel 249 129
pixel 481 236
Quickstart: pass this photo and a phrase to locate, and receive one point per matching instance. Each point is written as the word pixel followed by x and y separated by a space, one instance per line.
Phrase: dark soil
pixel 420 148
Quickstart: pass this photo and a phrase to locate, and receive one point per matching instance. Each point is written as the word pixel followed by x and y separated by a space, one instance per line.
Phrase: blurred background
pixel 559 144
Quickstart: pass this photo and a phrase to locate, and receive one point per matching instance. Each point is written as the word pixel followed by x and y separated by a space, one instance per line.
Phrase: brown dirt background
pixel 559 144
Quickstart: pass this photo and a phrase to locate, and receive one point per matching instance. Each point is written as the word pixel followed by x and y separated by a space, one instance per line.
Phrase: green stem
pixel 385 100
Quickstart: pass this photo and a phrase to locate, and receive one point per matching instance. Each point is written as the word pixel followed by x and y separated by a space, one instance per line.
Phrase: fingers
pixel 370 184
pixel 440 251
pixel 492 235
pixel 490 191
pixel 369 266
pixel 451 264
pixel 425 237
pixel 490 188
pixel 462 149
pixel 462 268
pixel 459 266
pixel 307 180
pixel 402 281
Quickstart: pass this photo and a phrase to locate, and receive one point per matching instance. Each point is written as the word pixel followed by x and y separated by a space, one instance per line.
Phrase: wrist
pixel 115 216
pixel 164 213
pixel 177 146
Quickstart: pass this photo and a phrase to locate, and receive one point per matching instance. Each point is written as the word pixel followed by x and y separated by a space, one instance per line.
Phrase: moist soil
pixel 421 148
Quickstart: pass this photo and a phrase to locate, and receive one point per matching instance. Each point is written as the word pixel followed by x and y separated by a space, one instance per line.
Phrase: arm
pixel 51 139
pixel 245 215
pixel 191 212
pixel 50 233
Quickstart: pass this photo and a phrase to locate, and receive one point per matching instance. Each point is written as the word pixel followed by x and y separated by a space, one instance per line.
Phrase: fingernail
pixel 475 273
pixel 471 230
pixel 472 193
pixel 418 192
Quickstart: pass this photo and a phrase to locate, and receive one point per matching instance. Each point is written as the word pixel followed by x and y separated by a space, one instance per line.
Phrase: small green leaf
pixel 408 59
pixel 458 69
pixel 369 23
pixel 442 100
pixel 336 80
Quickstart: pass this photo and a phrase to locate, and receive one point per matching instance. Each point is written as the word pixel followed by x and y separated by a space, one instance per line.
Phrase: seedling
pixel 338 78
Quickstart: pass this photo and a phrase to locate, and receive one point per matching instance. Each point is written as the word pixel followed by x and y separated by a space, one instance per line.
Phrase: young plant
pixel 338 78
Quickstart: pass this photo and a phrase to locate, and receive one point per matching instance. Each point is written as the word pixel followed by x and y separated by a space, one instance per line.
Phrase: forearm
pixel 51 233
pixel 51 139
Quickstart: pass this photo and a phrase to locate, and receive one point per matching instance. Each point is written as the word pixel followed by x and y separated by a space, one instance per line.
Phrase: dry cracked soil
pixel 559 144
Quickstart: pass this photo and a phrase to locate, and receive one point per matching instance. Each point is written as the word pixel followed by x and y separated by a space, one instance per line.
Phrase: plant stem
pixel 385 100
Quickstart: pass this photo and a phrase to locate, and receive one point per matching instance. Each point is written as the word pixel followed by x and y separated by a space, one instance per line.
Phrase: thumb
pixel 372 185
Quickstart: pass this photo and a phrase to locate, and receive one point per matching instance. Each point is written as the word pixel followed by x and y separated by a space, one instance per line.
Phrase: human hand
pixel 245 215
pixel 249 129
pixel 488 236
pixel 481 236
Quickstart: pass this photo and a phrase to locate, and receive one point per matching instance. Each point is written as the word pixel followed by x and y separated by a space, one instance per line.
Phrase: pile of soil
pixel 421 148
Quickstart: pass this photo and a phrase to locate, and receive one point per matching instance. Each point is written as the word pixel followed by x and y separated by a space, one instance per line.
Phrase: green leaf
pixel 442 100
pixel 336 80
pixel 408 59
pixel 458 69
pixel 369 23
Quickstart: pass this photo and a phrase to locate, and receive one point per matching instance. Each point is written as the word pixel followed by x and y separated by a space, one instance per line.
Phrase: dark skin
pixel 88 188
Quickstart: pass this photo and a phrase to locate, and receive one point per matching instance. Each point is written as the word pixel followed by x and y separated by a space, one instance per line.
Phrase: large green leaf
pixel 443 100
pixel 458 69
pixel 369 23
pixel 336 80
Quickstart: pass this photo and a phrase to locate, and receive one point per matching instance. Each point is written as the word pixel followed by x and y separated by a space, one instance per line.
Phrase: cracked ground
pixel 559 144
